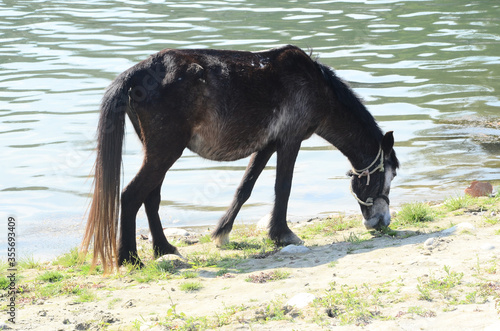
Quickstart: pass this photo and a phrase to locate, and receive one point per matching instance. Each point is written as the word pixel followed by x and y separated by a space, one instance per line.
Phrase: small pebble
pixel 487 247
pixel 429 242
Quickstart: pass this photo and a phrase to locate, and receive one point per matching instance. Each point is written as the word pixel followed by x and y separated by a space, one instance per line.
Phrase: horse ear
pixel 388 142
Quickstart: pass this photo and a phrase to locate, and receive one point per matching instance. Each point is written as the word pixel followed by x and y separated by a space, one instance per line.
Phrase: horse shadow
pixel 316 255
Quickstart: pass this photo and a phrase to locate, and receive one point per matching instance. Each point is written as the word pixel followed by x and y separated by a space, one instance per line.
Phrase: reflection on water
pixel 427 70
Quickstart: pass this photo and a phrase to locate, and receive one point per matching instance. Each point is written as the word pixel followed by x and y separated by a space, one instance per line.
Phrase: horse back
pixel 233 103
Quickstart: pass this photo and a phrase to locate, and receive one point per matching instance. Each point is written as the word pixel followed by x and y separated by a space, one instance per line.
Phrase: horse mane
pixel 351 102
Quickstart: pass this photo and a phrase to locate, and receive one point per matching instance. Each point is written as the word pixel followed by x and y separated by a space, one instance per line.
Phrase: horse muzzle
pixel 377 221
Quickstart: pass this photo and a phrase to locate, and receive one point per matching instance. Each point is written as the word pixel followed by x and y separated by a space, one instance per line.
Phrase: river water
pixel 429 70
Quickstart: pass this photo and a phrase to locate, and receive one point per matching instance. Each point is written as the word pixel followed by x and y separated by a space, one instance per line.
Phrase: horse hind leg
pixel 279 231
pixel 161 246
pixel 144 188
pixel 257 163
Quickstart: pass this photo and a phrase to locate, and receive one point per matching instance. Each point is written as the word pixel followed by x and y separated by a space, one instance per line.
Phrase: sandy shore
pixel 416 278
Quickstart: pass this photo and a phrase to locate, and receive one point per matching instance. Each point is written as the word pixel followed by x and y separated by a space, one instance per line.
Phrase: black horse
pixel 227 105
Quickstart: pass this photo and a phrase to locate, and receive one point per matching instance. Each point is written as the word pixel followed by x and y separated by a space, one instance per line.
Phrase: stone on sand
pixel 461 226
pixel 479 189
pixel 301 300
pixel 294 249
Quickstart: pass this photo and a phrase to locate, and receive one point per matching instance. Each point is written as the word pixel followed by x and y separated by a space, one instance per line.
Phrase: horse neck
pixel 360 152
pixel 358 140
pixel 348 125
pixel 359 149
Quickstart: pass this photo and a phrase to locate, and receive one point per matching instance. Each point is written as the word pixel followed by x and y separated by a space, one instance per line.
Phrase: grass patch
pixel 29 262
pixel 206 239
pixel 469 203
pixel 64 287
pixel 189 274
pixel 417 310
pixel 414 214
pixel 388 231
pixel 274 311
pixel 252 247
pixel 329 225
pixel 352 305
pixel 51 277
pixel 207 258
pixel 85 295
pixel 443 285
pixel 70 259
pixel 4 283
pixel 459 202
pixel 191 286
pixel 152 271
pixel 264 277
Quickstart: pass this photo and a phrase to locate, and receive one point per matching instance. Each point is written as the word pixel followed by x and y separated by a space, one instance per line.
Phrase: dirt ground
pixel 414 279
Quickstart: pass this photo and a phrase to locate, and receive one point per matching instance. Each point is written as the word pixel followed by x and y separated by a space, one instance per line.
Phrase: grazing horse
pixel 227 105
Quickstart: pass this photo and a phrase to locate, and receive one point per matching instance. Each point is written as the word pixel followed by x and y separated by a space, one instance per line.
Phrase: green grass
pixel 351 305
pixel 152 271
pixel 29 262
pixel 273 311
pixel 328 226
pixel 252 247
pixel 353 238
pixel 459 202
pixel 264 277
pixel 466 202
pixel 64 287
pixel 191 286
pixel 51 276
pixel 206 239
pixel 189 274
pixel 70 259
pixel 85 295
pixel 333 264
pixel 442 285
pixel 421 311
pixel 4 283
pixel 414 214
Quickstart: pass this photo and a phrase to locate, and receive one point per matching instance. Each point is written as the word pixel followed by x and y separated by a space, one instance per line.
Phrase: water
pixel 427 70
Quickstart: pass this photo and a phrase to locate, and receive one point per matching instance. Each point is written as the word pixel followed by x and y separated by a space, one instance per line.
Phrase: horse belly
pixel 221 146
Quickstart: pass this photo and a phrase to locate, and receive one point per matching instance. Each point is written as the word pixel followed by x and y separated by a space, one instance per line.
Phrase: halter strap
pixel 367 172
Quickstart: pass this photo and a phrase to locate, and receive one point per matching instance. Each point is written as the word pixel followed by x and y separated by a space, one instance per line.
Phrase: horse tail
pixel 102 223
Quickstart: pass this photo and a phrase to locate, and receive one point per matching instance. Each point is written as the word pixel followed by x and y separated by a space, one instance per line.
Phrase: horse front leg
pixel 257 163
pixel 279 231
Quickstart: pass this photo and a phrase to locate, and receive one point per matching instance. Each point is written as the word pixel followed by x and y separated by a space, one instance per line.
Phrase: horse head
pixel 371 186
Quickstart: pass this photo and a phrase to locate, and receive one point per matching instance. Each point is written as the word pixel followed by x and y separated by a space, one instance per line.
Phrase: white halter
pixel 366 172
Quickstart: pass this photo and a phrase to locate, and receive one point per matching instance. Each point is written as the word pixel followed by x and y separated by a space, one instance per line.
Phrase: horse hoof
pixel 289 238
pixel 135 262
pixel 179 254
pixel 221 240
